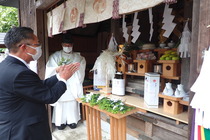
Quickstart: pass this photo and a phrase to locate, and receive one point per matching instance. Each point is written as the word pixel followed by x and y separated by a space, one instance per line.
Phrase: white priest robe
pixel 66 110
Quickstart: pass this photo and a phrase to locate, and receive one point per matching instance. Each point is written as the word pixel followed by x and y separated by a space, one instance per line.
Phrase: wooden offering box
pixel 170 67
pixel 121 65
pixel 171 104
pixel 144 66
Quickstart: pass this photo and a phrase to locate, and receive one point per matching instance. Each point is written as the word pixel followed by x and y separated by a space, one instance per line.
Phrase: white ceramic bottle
pixel 180 91
pixel 168 90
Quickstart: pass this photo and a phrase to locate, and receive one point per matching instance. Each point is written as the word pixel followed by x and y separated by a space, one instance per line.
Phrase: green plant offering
pixel 64 61
pixel 111 105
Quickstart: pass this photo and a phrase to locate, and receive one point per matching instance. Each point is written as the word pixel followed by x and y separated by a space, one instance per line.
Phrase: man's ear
pixel 22 47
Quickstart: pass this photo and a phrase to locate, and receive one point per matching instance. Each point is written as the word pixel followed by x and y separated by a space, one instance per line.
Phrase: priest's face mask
pixel 67 47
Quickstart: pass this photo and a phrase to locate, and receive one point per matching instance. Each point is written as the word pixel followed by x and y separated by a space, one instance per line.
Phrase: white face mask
pixel 38 52
pixel 67 49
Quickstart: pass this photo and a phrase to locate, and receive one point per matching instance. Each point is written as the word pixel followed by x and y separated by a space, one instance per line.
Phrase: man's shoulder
pixel 55 54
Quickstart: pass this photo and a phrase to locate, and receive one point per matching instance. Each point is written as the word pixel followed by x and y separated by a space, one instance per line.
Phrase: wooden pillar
pixel 93 119
pixel 193 58
pixel 200 41
pixel 204 32
pixel 118 128
pixel 185 65
pixel 41 31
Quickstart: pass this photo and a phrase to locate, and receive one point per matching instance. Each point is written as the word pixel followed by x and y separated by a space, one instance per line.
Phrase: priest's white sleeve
pixel 51 66
pixel 76 81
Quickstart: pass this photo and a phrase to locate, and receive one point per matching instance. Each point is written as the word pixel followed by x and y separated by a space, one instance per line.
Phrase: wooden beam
pixel 41 36
pixel 46 4
pixel 204 32
pixel 171 128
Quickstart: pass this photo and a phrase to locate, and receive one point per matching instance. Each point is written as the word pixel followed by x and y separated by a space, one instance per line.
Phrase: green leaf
pixel 8 18
pixel 64 61
pixel 104 103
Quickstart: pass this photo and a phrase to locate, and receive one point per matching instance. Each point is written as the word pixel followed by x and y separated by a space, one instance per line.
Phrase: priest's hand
pixel 66 71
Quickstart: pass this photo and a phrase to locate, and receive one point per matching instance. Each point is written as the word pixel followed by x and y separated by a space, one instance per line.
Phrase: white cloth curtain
pixel 74 9
pixel 91 11
pixel 129 6
pixel 98 10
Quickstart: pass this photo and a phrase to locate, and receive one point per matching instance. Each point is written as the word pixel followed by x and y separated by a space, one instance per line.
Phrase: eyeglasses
pixel 34 44
pixel 31 45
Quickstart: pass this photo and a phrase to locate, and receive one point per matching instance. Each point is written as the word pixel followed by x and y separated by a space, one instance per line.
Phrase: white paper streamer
pixel 125 29
pixel 184 46
pixel 168 21
pixel 135 30
pixel 151 23
pixel 200 100
pixel 112 44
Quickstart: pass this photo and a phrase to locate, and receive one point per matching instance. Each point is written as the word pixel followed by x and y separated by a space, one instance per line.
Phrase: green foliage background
pixel 8 18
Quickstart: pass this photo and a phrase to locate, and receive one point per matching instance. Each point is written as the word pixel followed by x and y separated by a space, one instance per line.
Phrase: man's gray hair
pixel 16 35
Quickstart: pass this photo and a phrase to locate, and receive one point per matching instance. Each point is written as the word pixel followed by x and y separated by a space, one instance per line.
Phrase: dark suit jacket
pixel 23 115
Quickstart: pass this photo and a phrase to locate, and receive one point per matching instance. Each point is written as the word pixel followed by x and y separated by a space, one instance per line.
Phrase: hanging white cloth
pixel 62 113
pixel 106 61
pixel 202 92
pixel 135 30
pixel 168 18
pixel 151 23
pixel 112 44
pixel 125 29
pixel 50 23
pixel 184 47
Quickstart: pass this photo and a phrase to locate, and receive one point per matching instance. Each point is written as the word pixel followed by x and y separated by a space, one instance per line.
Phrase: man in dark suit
pixel 23 95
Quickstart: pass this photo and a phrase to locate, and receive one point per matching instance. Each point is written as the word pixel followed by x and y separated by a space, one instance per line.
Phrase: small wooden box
pixel 170 67
pixel 122 64
pixel 144 66
pixel 171 104
pixel 121 67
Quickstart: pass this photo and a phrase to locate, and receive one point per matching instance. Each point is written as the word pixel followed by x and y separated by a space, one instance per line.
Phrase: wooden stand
pixel 85 88
pixel 171 104
pixel 138 102
pixel 170 67
pixel 144 66
pixel 117 123
pixel 93 119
